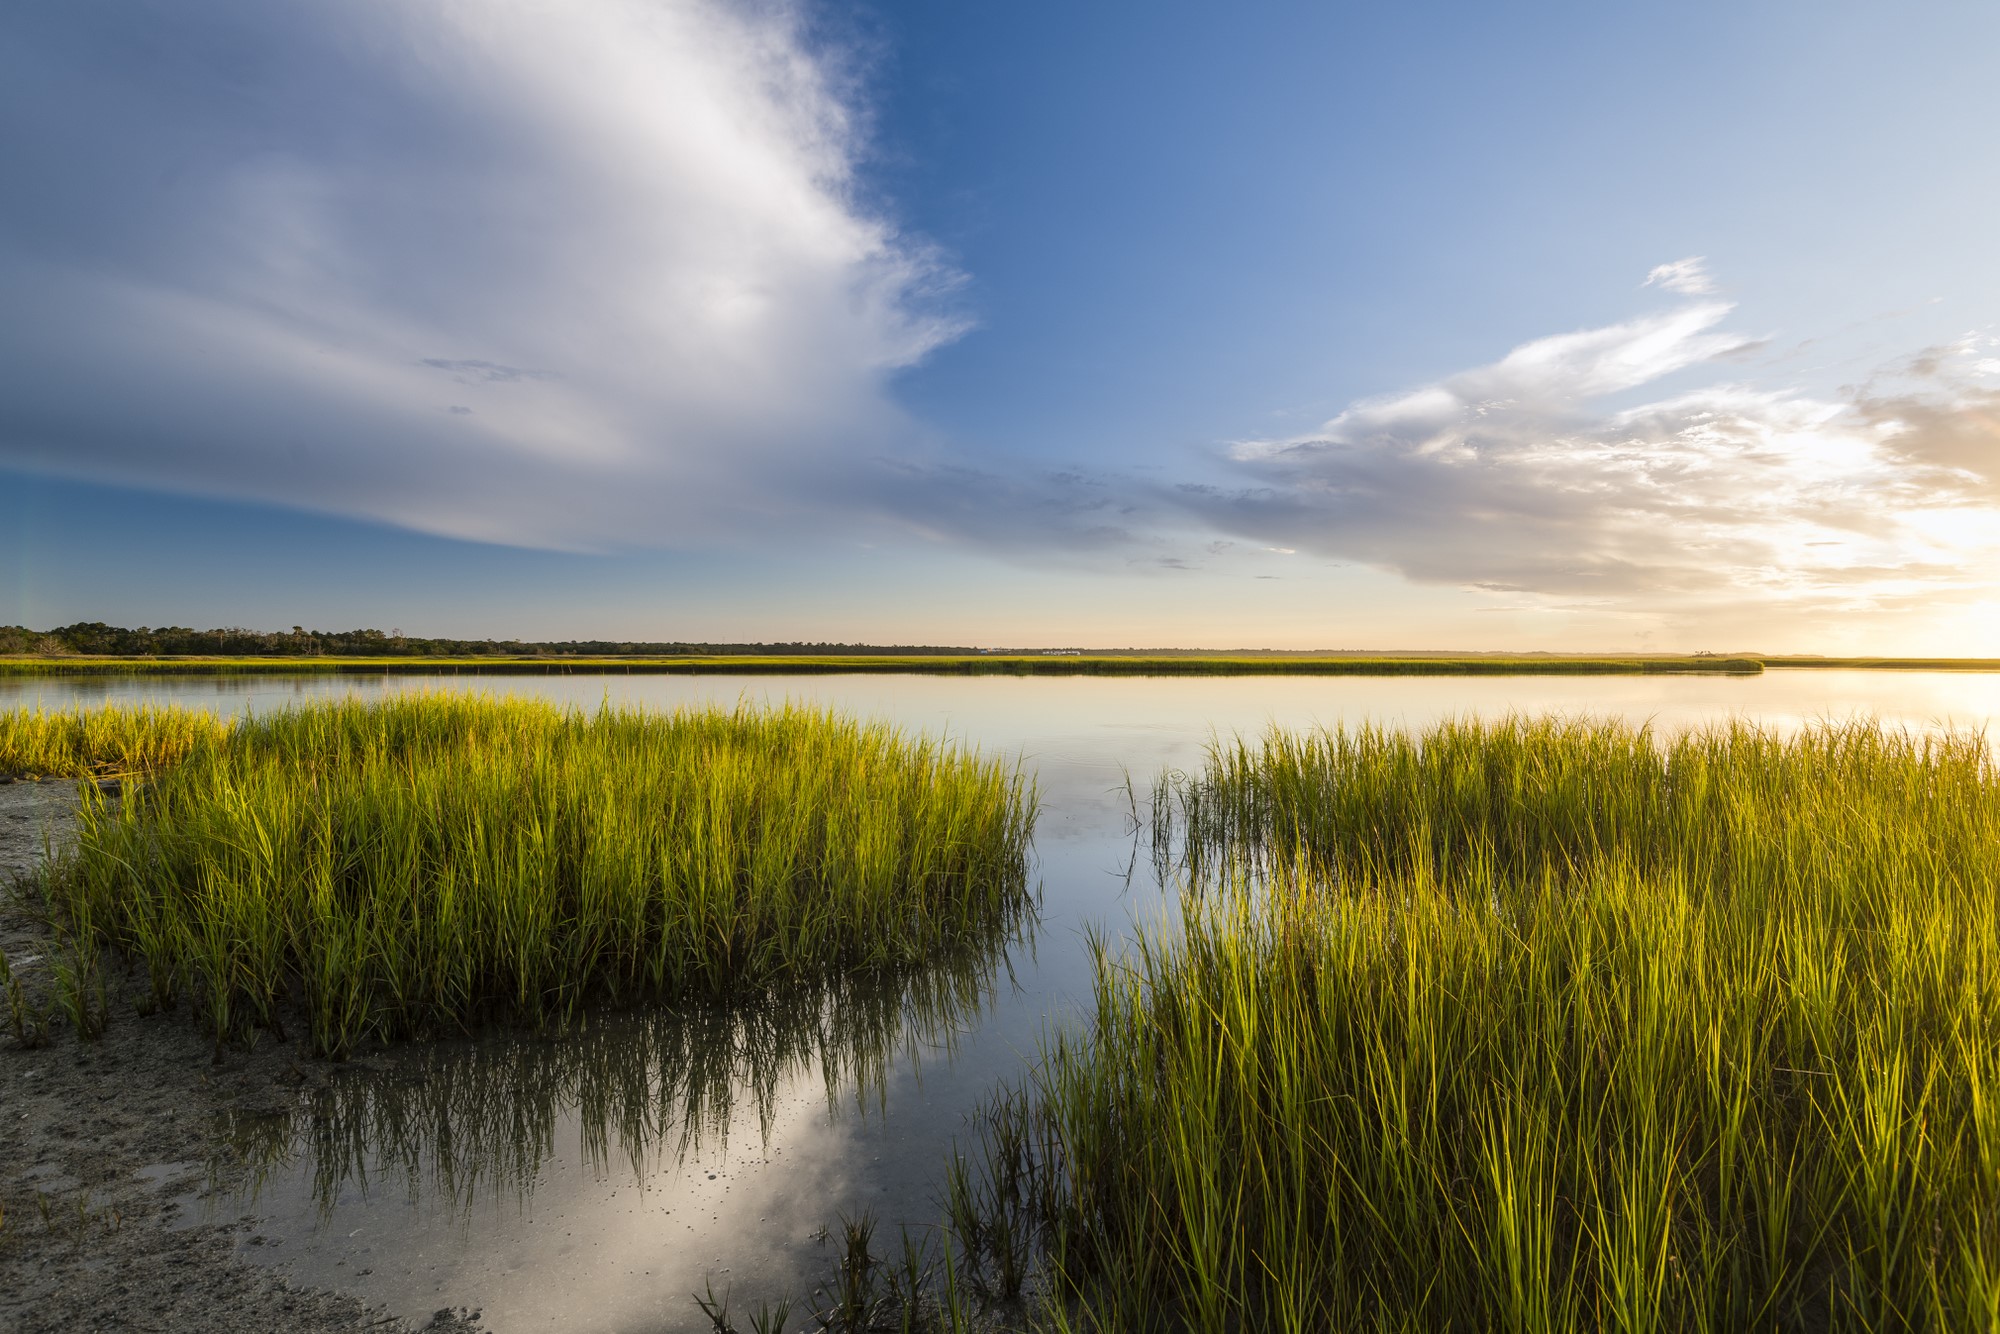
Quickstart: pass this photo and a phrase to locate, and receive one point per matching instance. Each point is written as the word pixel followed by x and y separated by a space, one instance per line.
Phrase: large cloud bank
pixel 514 270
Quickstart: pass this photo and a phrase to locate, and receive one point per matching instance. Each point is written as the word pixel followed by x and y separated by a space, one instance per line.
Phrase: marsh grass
pixel 27 1019
pixel 1537 1026
pixel 432 862
pixel 102 742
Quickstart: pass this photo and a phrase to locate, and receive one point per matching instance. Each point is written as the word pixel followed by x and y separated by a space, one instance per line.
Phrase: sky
pixel 1555 326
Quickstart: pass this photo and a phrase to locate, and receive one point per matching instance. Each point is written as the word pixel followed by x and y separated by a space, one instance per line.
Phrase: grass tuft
pixel 1540 1025
pixel 433 861
pixel 102 742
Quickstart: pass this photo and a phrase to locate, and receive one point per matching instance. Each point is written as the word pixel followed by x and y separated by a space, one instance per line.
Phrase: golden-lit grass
pixel 434 860
pixel 1536 1026
pixel 1890 664
pixel 102 741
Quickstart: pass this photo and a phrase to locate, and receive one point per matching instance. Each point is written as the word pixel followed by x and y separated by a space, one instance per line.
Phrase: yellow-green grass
pixel 983 664
pixel 435 860
pixel 1536 1026
pixel 69 743
pixel 1890 664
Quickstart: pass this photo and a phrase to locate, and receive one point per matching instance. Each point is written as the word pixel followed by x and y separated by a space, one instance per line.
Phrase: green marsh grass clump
pixel 433 861
pixel 1537 1026
pixel 112 741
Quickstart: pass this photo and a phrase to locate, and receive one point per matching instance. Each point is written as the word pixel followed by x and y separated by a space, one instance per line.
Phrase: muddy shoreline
pixel 98 1140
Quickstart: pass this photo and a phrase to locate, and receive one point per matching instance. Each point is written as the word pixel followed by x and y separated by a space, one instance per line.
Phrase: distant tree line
pixel 95 637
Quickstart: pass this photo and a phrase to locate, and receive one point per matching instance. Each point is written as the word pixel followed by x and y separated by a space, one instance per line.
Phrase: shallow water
pixel 595 1181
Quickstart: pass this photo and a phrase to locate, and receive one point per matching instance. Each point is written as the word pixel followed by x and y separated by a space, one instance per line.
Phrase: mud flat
pixel 100 1141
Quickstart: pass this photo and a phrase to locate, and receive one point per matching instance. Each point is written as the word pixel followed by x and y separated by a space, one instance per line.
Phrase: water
pixel 595 1181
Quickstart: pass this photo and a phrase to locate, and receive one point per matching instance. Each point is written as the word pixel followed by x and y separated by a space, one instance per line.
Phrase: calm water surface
pixel 594 1181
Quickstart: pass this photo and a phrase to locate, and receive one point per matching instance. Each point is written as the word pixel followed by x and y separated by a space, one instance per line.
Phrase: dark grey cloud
pixel 1012 510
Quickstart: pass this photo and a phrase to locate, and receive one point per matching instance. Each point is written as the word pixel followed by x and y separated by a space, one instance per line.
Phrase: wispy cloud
pixel 487 372
pixel 1517 478
pixel 542 274
pixel 1687 276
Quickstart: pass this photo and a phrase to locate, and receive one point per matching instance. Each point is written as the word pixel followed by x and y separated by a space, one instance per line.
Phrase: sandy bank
pixel 98 1139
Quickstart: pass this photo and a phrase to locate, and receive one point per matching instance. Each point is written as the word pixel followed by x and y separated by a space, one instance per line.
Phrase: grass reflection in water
pixel 451 1125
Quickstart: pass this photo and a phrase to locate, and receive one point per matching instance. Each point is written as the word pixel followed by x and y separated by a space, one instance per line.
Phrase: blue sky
pixel 1431 325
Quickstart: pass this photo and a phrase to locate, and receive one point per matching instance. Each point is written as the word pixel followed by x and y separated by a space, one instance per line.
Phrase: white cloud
pixel 1687 276
pixel 553 274
pixel 1513 477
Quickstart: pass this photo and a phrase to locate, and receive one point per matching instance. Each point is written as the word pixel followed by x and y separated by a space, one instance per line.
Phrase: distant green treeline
pixel 94 648
pixel 928 664
pixel 95 638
